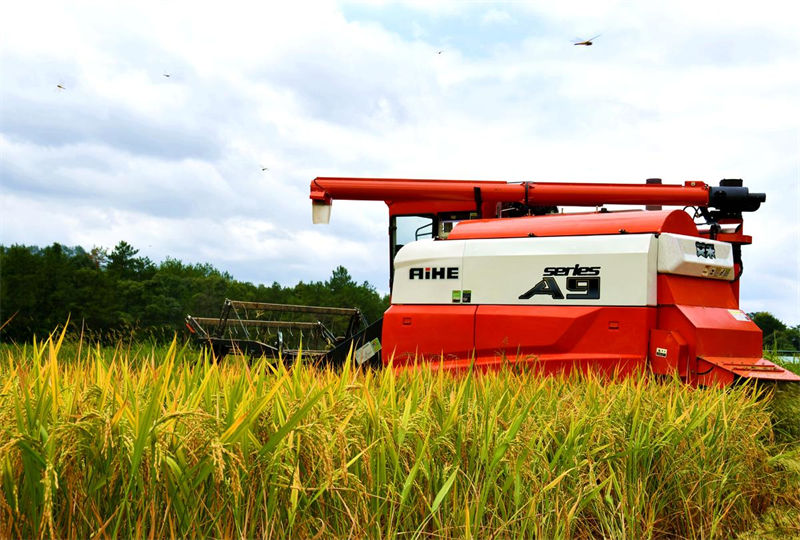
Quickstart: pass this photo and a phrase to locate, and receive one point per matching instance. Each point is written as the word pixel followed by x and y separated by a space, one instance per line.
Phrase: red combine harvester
pixel 490 273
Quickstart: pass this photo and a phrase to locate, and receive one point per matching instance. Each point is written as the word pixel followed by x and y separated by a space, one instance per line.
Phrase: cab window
pixel 410 229
pixel 405 229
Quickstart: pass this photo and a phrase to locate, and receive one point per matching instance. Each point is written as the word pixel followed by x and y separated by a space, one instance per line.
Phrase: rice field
pixel 147 441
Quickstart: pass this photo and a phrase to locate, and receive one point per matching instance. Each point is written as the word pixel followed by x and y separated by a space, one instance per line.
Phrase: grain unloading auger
pixel 490 273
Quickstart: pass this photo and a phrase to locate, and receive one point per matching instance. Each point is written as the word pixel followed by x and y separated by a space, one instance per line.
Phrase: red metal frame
pixel 393 190
pixel 428 196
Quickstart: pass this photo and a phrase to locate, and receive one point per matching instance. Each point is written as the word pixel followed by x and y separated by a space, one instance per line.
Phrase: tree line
pixel 777 335
pixel 110 294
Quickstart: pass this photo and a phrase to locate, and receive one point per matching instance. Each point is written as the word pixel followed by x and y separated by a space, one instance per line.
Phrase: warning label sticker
pixel 739 315
pixel 367 351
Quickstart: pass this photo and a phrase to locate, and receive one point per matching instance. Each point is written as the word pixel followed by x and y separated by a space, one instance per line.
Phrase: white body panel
pixel 499 271
pixel 426 254
pixel 697 257
pixel 553 271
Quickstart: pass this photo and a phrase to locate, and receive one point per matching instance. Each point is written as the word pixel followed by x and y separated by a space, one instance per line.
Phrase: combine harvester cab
pixel 503 279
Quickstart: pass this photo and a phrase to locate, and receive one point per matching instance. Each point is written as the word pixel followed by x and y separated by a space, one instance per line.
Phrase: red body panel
pixel 421 333
pixel 550 338
pixel 704 337
pixel 702 345
pixel 690 291
pixel 631 222
pixel 609 338
pixel 711 334
pixel 669 353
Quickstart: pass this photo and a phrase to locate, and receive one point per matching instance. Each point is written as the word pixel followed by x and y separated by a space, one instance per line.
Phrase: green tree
pixel 106 293
pixel 776 335
pixel 123 263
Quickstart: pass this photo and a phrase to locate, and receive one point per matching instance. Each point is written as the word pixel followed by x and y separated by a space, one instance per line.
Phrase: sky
pixel 173 164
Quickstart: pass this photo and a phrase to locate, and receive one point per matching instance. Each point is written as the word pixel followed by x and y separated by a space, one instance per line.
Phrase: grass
pixel 160 442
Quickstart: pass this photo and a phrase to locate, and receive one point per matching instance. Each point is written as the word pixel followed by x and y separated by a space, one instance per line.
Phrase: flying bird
pixel 440 52
pixel 60 87
pixel 264 168
pixel 166 75
pixel 587 42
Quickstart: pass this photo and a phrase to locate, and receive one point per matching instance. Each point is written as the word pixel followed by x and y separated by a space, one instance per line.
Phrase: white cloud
pixel 495 16
pixel 682 92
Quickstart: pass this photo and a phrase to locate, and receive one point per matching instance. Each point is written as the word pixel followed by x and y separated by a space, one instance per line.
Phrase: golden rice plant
pixel 164 442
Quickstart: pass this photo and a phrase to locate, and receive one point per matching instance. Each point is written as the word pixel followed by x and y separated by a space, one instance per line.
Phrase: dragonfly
pixel 587 42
